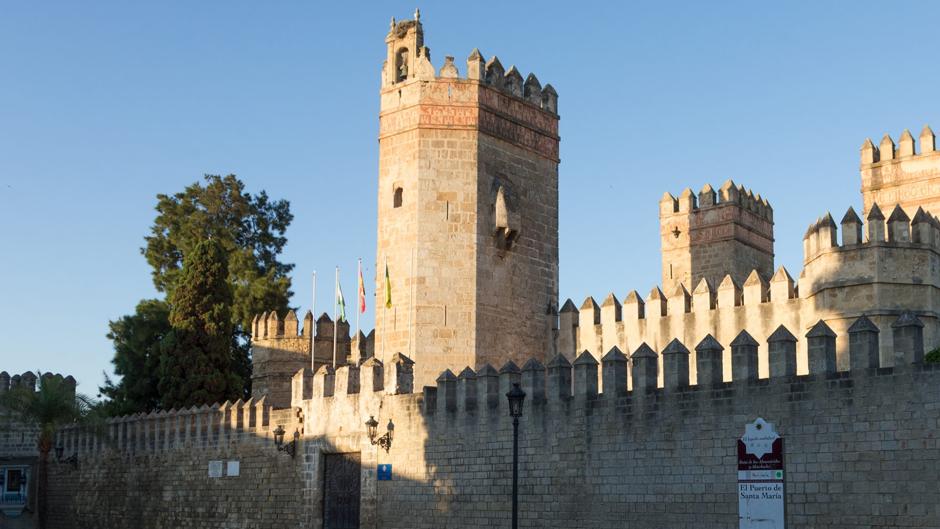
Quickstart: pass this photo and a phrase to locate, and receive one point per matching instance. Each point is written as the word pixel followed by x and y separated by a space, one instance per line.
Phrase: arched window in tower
pixel 396 200
pixel 401 65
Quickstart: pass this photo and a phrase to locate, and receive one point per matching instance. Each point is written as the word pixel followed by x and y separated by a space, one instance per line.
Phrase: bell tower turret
pixel 405 42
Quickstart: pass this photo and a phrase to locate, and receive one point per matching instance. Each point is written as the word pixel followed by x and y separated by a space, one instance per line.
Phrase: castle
pixel 468 227
pixel 633 406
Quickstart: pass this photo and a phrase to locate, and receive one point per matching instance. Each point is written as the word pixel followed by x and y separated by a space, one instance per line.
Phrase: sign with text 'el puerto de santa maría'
pixel 761 498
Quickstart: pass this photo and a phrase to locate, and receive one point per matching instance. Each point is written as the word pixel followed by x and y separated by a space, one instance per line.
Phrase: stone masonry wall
pixel 171 489
pixel 152 471
pixel 861 445
pixel 517 287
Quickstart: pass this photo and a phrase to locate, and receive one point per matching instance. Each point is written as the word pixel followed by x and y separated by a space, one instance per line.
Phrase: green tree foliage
pixel 197 364
pixel 249 228
pixel 137 340
pixel 51 405
pixel 933 357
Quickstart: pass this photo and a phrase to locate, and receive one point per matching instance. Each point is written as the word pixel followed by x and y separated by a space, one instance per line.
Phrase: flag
pixel 362 291
pixel 388 289
pixel 340 302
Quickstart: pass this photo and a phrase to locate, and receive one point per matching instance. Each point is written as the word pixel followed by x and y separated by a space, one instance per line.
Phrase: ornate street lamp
pixel 516 397
pixel 291 447
pixel 386 440
pixel 72 459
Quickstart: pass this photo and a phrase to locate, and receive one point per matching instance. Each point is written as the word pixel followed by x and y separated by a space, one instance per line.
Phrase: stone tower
pixel 900 175
pixel 467 210
pixel 714 234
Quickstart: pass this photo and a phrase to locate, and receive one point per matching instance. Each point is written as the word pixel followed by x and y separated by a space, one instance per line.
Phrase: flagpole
pixel 335 320
pixel 385 312
pixel 413 336
pixel 311 332
pixel 358 298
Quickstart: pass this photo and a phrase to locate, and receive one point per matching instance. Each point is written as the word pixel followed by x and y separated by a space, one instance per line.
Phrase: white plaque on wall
pixel 215 469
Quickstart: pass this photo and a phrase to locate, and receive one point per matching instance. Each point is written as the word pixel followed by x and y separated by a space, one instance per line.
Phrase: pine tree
pixel 197 365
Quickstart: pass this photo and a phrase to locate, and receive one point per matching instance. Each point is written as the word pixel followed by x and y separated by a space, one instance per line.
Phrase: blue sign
pixel 385 472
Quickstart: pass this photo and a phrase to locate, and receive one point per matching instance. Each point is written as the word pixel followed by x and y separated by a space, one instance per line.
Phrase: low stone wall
pixel 172 488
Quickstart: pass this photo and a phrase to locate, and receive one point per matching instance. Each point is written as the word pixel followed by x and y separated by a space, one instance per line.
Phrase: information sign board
pixel 761 491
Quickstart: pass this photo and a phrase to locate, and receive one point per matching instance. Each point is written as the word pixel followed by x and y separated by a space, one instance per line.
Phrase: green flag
pixel 388 289
pixel 340 302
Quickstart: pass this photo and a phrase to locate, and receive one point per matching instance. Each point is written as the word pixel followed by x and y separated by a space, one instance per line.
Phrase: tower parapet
pixel 899 174
pixel 713 234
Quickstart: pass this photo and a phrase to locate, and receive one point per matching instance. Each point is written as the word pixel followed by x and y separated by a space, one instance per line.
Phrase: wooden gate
pixel 341 491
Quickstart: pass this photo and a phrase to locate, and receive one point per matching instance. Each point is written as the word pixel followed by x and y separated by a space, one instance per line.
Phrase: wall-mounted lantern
pixel 71 460
pixel 386 440
pixel 291 447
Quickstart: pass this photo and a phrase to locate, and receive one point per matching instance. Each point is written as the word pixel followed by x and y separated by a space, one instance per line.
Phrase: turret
pixel 714 234
pixel 899 174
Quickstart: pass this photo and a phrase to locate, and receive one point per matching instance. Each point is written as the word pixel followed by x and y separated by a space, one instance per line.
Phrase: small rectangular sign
pixel 384 472
pixel 215 469
pixel 232 468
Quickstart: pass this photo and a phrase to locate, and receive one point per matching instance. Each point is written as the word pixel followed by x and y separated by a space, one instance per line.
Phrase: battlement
pixel 887 152
pixel 29 380
pixel 647 370
pixel 562 380
pixel 409 60
pixel 900 231
pixel 728 293
pixel 899 174
pixel 281 346
pixel 728 193
pixel 196 428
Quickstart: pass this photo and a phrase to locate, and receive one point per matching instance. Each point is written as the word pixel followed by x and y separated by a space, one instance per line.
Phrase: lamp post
pixel 516 396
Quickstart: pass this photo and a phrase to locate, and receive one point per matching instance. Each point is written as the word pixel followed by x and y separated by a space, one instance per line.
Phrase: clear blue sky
pixel 105 104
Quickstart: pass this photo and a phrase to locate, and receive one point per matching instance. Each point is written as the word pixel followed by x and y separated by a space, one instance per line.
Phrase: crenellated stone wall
pixel 153 470
pixel 279 347
pixel 880 269
pixel 861 448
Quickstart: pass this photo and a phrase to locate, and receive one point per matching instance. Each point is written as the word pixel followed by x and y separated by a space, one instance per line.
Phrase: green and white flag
pixel 340 302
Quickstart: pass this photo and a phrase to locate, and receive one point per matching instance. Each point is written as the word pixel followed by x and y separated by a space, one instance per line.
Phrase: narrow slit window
pixel 396 201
